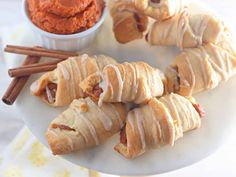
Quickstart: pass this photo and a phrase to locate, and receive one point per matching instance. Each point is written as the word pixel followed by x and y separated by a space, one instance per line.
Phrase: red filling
pixel 53 89
pixel 177 81
pixel 199 108
pixel 138 20
pixel 97 91
pixel 63 127
pixel 155 1
pixel 123 138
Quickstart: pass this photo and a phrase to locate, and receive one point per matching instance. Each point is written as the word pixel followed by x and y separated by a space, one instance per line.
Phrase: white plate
pixel 196 145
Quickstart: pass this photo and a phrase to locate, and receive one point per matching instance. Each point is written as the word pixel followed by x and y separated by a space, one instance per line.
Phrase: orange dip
pixel 65 16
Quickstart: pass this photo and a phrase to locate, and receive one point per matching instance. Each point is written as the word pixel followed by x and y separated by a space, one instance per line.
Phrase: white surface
pixel 10 120
pixel 193 147
pixel 221 163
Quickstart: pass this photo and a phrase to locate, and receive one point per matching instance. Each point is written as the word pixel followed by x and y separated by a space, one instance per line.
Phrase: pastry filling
pixel 49 93
pixel 172 74
pixel 147 37
pixel 123 137
pixel 97 91
pixel 199 108
pixel 155 3
pixel 63 127
pixel 138 20
pixel 177 78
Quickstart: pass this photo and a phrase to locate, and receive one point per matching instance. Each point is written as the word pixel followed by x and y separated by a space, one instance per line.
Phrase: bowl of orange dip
pixel 65 24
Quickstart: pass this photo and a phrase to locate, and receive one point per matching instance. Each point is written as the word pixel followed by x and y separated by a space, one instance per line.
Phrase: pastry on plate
pixel 160 122
pixel 61 86
pixel 202 68
pixel 135 82
pixel 187 31
pixel 160 9
pixel 128 23
pixel 227 42
pixel 84 125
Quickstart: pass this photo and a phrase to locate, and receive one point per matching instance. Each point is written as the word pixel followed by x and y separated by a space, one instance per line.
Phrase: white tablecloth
pixel 221 163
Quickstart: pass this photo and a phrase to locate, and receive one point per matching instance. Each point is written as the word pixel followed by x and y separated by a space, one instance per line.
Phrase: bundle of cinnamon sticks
pixel 30 66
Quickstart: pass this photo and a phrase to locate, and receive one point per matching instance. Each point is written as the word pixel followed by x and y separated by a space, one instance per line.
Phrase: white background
pixel 221 163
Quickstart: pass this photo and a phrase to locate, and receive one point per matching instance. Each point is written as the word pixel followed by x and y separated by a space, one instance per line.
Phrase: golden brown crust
pixel 83 107
pixel 122 149
pixel 160 10
pixel 187 30
pixel 162 121
pixel 134 148
pixel 58 145
pixel 67 77
pixel 134 82
pixel 84 124
pixel 128 22
pixel 90 83
pixel 199 69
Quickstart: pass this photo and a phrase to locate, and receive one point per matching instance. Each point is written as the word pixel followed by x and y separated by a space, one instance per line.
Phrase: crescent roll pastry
pixel 201 68
pixel 135 82
pixel 227 42
pixel 160 122
pixel 160 9
pixel 84 125
pixel 186 31
pixel 128 22
pixel 61 86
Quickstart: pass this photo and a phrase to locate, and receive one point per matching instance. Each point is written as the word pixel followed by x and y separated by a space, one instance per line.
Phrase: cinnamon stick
pixel 18 83
pixel 25 71
pixel 39 51
pixel 33 68
pixel 39 48
pixel 40 64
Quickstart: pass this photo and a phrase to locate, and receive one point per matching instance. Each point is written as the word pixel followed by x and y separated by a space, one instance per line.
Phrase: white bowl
pixel 70 42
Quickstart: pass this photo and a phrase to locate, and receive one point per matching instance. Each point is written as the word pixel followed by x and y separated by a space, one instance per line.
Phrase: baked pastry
pixel 84 125
pixel 160 9
pixel 186 31
pixel 61 86
pixel 227 41
pixel 201 68
pixel 160 122
pixel 135 82
pixel 128 23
